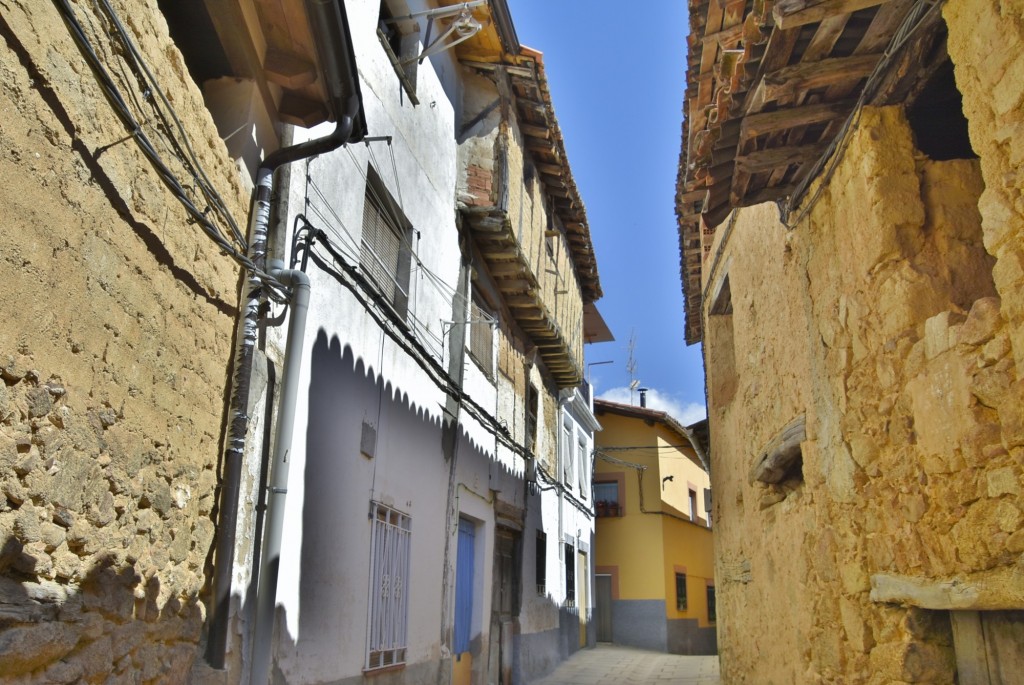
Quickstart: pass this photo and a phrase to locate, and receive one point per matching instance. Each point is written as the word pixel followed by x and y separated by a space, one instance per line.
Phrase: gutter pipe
pixel 266 595
pixel 331 35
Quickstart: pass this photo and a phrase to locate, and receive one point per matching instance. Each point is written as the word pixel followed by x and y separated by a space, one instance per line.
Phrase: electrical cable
pixel 115 98
pixel 376 305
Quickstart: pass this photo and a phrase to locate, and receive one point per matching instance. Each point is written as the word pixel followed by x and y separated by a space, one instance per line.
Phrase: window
pixel 711 604
pixel 384 251
pixel 531 418
pixel 541 563
pixel 570 576
pixel 681 591
pixel 400 39
pixel 389 587
pixel 568 469
pixel 606 497
pixel 693 505
pixel 481 335
pixel 583 462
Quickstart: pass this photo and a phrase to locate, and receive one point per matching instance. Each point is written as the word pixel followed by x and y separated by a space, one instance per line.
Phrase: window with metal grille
pixel 481 336
pixel 712 610
pixel 389 587
pixel 384 248
pixel 681 600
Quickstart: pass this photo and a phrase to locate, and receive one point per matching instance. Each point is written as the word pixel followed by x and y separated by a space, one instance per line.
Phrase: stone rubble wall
pixel 114 354
pixel 891 319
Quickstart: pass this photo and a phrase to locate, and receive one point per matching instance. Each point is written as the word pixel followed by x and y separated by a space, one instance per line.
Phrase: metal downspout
pixel 330 28
pixel 266 595
pixel 245 348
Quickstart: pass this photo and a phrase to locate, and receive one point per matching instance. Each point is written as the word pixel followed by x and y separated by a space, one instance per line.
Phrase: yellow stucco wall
pixel 648 548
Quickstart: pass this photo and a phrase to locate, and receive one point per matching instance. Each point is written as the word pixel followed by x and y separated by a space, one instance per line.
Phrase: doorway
pixel 989 646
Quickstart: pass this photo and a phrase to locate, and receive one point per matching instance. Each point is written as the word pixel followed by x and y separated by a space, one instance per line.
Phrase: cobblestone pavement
pixel 615 665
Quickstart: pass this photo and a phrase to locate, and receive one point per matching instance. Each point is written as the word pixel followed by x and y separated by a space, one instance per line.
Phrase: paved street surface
pixel 614 665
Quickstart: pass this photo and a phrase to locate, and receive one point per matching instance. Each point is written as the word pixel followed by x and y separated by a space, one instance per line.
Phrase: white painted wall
pixel 353 374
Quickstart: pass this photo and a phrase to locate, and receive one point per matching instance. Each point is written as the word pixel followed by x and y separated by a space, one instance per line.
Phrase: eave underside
pixel 770 87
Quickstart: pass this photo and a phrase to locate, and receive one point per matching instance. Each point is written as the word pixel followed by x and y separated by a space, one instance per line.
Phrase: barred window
pixel 481 336
pixel 386 640
pixel 384 248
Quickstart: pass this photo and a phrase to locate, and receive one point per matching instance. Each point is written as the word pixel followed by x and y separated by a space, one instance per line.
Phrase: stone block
pixel 982 323
pixel 937 333
pixel 28 647
pixel 1003 481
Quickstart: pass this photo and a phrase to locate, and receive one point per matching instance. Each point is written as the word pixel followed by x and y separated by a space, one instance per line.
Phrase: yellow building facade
pixel 654 581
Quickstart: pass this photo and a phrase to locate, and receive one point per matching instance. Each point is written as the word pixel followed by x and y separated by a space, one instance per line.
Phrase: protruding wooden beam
pixel 781 119
pixel 792 13
pixel 534 130
pixel 288 71
pixel 773 158
pixel 788 81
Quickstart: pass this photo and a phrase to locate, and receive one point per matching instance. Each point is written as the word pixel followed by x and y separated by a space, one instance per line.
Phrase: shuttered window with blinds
pixel 384 252
pixel 481 337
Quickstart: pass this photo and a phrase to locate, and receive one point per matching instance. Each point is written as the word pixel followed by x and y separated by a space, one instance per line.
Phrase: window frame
pixel 387 217
pixel 406 33
pixel 682 599
pixel 481 334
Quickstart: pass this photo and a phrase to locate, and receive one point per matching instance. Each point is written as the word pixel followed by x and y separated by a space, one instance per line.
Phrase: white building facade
pixel 437 519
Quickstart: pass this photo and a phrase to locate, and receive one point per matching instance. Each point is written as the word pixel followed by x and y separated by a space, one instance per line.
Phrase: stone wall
pixel 886 319
pixel 118 322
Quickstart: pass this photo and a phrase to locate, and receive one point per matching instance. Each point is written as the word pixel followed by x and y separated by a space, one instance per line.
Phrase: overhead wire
pixel 115 97
pixel 375 304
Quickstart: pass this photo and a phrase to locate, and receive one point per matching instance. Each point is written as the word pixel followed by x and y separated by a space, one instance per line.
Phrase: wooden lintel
pixel 774 158
pixel 781 119
pixel 791 13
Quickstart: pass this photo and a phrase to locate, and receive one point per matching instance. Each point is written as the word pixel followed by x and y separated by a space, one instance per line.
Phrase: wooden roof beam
pixel 773 158
pixel 781 119
pixel 788 81
pixel 792 13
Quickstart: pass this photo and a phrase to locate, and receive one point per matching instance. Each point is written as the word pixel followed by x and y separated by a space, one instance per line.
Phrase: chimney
pixel 643 397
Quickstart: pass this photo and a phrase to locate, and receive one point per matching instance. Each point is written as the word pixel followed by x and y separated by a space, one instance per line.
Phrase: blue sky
pixel 617 75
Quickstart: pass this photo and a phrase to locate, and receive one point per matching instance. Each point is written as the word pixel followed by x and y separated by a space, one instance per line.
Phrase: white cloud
pixel 685 413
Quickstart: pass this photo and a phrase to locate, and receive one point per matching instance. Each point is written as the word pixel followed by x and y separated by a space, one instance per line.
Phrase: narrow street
pixel 609 664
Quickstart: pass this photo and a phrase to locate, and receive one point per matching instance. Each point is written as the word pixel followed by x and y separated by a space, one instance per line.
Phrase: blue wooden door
pixel 464 586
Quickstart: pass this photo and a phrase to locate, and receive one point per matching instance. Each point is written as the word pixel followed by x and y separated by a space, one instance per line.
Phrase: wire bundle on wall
pixel 214 219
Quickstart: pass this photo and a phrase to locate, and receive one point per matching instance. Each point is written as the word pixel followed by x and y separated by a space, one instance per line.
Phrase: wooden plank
pixel 769 122
pixel 776 56
pixel 825 38
pixel 506 268
pixel 726 38
pixel 773 158
pixel 535 131
pixel 788 81
pixel 790 14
